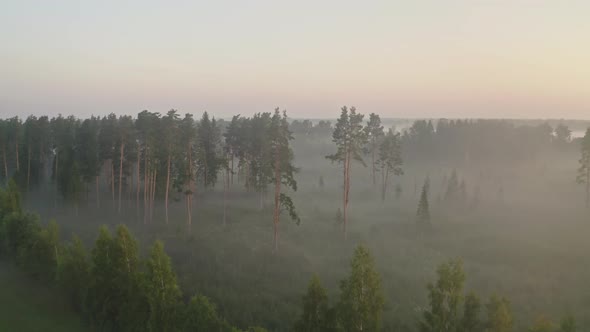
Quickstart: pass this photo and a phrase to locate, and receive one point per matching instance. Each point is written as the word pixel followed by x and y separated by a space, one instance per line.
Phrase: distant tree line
pixel 151 157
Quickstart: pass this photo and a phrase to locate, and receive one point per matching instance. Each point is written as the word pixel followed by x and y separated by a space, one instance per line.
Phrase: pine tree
pixel 584 170
pixel 423 212
pixel 361 300
pixel 349 137
pixel 390 159
pixel 283 170
pixel 445 299
pixel 374 132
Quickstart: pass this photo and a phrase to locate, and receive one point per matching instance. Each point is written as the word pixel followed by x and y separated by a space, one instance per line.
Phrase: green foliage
pixel 201 315
pixel 568 324
pixel 445 299
pixel 471 322
pixel 163 293
pixel 499 315
pixel 74 273
pixel 542 324
pixel 315 316
pixel 584 170
pixel 361 300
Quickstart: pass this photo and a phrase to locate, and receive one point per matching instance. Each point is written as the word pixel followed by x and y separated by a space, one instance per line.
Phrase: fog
pixel 503 199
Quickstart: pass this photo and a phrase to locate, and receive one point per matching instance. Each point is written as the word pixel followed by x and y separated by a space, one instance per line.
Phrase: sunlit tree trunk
pixel 5 163
pixel 373 167
pixel 17 159
pixel 167 186
pixel 113 181
pixel 97 194
pixel 122 148
pixel 138 183
pixel 29 167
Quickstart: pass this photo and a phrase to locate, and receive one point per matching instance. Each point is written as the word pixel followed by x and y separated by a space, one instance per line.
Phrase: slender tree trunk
pixel 29 167
pixel 113 181
pixel 232 168
pixel 383 184
pixel 373 163
pixel 588 187
pixel 277 201
pixel 346 191
pixel 188 212
pixel 138 182
pixel 153 193
pixel 145 185
pixel 122 148
pixel 17 161
pixel 189 196
pixel 56 165
pixel 225 185
pixel 5 163
pixel 167 186
pixel 97 194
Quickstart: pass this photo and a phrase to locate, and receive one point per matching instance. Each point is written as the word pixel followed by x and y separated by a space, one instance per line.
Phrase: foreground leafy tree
pixel 568 324
pixel 350 137
pixel 74 273
pixel 283 170
pixel 163 293
pixel 127 297
pixel 470 322
pixel 361 301
pixel 201 316
pixel 445 300
pixel 584 170
pixel 542 324
pixel 102 285
pixel 499 315
pixel 316 313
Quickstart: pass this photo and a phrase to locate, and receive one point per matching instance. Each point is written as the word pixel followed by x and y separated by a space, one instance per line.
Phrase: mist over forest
pixel 167 222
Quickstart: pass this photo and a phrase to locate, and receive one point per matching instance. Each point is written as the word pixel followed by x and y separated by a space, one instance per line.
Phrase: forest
pixel 167 222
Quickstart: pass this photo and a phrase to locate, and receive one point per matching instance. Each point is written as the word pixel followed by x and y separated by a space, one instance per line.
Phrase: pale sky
pixel 438 58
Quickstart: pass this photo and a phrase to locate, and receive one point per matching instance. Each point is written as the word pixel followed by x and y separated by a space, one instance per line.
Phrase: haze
pixel 515 59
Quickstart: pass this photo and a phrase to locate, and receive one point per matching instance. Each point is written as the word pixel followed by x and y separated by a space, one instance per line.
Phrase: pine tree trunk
pixel 5 163
pixel 588 187
pixel 189 196
pixel 145 186
pixel 138 183
pixel 122 148
pixel 277 201
pixel 153 193
pixel 167 186
pixel 225 185
pixel 373 164
pixel 97 194
pixel 29 168
pixel 17 161
pixel 232 168
pixel 384 174
pixel 113 181
pixel 346 191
